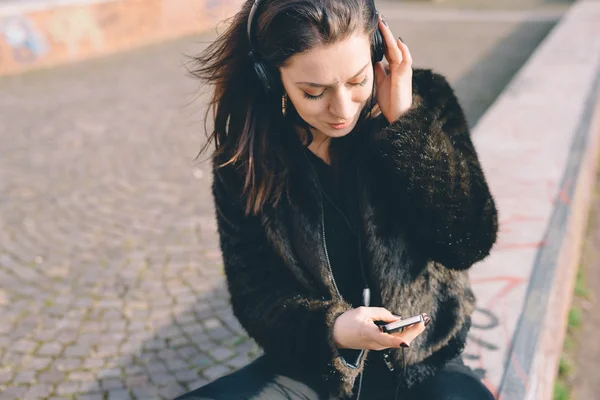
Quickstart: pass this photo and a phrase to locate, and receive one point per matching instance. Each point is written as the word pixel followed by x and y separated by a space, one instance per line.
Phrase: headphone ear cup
pixel 264 76
pixel 378 49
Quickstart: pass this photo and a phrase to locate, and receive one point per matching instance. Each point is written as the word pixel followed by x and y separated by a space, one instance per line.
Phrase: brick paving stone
pixel 51 377
pixel 220 304
pixel 212 323
pixel 136 325
pixel 81 376
pixel 68 364
pixel 187 352
pixel 171 331
pixel 128 347
pixel 119 394
pixel 39 390
pixel 167 354
pixel 221 353
pixel 5 376
pixel 193 329
pixel 156 366
pixel 220 334
pixel 161 378
pixel 24 346
pixel 176 364
pixel 186 318
pixel 107 351
pixel 216 371
pixel 87 339
pixel 155 344
pixel 110 373
pixel 66 388
pixel 136 380
pixel 111 383
pixel 171 390
pixel 144 393
pixel 24 377
pixel 78 350
pixel 45 336
pixel 179 341
pixel 201 361
pixel 13 392
pixel 198 383
pixel 90 396
pixel 117 326
pixel 186 376
pixel 133 370
pixel 94 363
pixel 239 361
pixel 67 336
pixel 91 387
pixel 39 363
pixel 50 349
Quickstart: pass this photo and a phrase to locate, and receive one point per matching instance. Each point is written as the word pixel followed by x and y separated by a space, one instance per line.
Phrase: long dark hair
pixel 249 131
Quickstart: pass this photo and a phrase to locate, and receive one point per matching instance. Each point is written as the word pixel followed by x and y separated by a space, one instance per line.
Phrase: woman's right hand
pixel 356 329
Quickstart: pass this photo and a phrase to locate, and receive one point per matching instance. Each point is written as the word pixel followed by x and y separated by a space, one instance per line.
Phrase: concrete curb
pixel 555 322
pixel 561 254
pixel 42 34
pixel 538 144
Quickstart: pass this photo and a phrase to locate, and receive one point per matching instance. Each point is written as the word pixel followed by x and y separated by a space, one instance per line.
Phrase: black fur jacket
pixel 427 216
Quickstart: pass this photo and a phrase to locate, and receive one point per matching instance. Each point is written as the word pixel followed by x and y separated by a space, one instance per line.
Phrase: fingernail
pixel 427 321
pixel 404 345
pixel 400 37
pixel 383 20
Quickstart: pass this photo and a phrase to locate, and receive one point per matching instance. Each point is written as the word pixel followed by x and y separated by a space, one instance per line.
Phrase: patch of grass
pixel 569 343
pixel 575 319
pixel 580 287
pixel 565 367
pixel 561 391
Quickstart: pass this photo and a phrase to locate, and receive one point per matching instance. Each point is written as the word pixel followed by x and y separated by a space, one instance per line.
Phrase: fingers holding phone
pixel 363 328
pixel 412 330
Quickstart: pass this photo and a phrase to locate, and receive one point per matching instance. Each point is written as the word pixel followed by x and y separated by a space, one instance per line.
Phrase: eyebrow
pixel 319 85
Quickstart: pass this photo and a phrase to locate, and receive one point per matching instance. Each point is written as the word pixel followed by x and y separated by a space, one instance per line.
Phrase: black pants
pixel 258 381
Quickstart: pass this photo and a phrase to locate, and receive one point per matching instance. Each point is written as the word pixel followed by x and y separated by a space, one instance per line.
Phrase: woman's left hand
pixel 394 91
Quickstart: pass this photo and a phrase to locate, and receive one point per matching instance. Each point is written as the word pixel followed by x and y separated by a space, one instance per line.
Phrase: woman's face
pixel 330 85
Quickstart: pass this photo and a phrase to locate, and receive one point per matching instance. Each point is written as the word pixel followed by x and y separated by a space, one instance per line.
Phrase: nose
pixel 341 105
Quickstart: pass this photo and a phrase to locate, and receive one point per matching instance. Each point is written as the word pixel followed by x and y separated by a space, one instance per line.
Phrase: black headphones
pixel 261 69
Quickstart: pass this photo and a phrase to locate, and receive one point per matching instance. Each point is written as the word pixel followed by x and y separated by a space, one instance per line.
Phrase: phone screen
pixel 402 324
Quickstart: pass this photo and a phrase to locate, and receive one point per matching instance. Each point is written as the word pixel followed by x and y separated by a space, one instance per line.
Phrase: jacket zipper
pixel 327 253
pixel 337 291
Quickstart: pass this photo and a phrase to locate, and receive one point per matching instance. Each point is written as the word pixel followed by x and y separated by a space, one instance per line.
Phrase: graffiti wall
pixel 66 33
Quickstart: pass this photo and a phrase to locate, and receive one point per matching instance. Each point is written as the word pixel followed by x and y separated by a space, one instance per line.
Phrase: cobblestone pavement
pixel 110 276
pixel 111 285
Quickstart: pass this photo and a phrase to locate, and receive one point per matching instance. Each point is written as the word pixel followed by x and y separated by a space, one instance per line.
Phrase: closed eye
pixel 363 83
pixel 311 97
pixel 318 96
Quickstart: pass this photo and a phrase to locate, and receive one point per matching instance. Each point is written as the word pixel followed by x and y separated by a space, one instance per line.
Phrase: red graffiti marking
pixel 563 195
pixel 511 283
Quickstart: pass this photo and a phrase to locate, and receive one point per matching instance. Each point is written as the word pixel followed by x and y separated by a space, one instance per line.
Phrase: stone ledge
pixel 38 34
pixel 538 145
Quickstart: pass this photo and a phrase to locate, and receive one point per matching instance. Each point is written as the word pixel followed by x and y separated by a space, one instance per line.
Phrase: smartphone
pixel 402 324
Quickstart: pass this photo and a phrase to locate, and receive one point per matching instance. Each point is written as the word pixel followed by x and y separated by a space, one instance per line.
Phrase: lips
pixel 339 125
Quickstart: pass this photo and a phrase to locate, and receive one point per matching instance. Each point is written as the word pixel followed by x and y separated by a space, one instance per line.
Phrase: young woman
pixel 348 195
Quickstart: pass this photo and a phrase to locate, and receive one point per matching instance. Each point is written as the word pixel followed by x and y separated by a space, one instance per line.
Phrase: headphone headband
pixel 250 23
pixel 262 70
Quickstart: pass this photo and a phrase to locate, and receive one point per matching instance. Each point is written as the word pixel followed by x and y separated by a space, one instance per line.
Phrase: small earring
pixel 284 104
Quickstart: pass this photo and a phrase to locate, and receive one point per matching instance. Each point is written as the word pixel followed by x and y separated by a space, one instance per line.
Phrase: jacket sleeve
pixel 293 326
pixel 429 167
